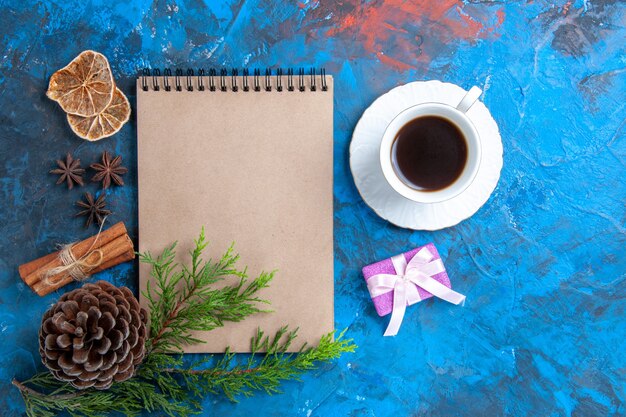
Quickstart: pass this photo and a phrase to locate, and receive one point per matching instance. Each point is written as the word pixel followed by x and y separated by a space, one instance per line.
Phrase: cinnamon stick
pixel 124 257
pixel 114 245
pixel 32 266
pixel 113 253
pixel 33 271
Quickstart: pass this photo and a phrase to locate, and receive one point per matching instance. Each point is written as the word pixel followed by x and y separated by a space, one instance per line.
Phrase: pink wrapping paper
pixel 384 303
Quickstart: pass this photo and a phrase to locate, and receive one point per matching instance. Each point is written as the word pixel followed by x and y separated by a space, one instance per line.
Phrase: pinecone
pixel 93 336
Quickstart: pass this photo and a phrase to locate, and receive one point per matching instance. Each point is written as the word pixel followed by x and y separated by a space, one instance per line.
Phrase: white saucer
pixel 384 200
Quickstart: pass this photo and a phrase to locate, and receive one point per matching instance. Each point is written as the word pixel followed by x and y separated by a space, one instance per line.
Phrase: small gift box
pixel 407 279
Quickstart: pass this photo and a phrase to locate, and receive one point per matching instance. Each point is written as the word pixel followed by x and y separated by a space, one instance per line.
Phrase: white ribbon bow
pixel 417 273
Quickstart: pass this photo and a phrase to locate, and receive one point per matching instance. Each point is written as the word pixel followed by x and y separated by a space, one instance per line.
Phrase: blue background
pixel 543 263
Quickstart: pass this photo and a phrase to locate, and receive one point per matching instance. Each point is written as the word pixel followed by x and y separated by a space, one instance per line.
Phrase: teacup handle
pixel 469 99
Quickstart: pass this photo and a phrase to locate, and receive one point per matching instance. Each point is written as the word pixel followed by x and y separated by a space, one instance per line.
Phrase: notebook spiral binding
pixel 211 81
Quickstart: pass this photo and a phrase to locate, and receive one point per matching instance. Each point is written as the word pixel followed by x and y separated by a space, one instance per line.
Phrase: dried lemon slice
pixel 103 124
pixel 85 86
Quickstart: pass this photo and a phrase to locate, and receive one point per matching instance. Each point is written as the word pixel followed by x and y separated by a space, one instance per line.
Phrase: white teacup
pixel 456 116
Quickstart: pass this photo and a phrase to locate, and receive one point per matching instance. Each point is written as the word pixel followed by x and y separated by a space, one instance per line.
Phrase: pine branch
pixel 56 397
pixel 266 373
pixel 183 299
pixel 163 384
pixel 129 398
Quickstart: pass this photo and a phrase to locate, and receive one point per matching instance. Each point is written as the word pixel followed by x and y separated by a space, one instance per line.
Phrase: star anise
pixel 95 210
pixel 69 171
pixel 109 170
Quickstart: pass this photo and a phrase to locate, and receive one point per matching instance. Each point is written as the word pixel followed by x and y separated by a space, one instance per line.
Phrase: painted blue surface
pixel 543 263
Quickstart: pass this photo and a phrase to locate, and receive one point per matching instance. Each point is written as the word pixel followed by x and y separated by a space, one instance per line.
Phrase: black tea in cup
pixel 429 153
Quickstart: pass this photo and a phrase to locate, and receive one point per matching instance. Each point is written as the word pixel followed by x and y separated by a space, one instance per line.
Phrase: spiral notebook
pixel 249 156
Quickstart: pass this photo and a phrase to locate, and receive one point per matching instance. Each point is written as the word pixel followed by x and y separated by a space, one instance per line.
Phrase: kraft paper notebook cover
pixel 253 167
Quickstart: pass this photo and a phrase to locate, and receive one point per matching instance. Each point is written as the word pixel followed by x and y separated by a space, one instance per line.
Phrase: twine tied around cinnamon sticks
pixel 78 260
pixel 77 268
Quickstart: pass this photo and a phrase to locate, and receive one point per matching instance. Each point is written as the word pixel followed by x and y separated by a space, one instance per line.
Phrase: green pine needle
pixel 181 301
